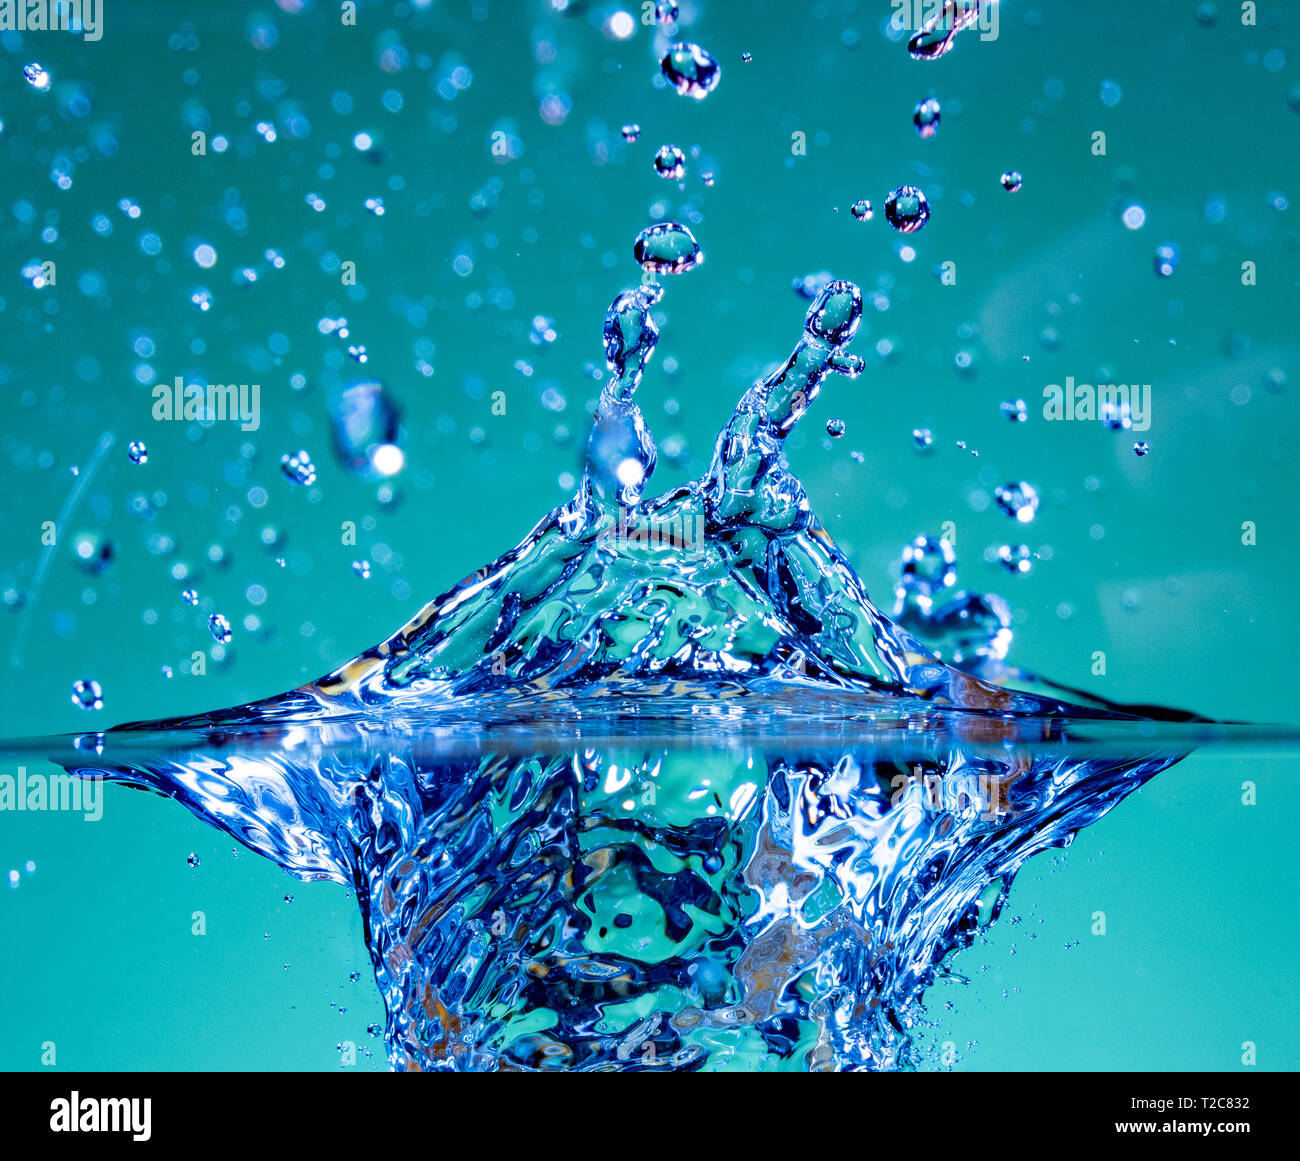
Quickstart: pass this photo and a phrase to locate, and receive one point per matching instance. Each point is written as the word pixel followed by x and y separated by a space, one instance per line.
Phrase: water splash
pixel 661 787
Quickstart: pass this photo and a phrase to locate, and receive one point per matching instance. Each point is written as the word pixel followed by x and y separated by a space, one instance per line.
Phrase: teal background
pixel 1146 564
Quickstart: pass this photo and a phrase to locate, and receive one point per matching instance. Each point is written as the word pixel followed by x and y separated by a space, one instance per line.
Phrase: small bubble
pixel 192 860
pixel 361 568
pixel 691 70
pixel 906 209
pixel 1018 500
pixel 631 131
pixel 288 899
pixel 670 163
pixel 137 452
pixel 1015 558
pixel 87 695
pixel 922 438
pixel 835 428
pixel 1012 181
pixel 862 210
pixel 1140 449
pixel 298 468
pixel 926 117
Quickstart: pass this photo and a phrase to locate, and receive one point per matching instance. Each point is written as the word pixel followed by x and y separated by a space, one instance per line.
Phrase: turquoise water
pixel 464 778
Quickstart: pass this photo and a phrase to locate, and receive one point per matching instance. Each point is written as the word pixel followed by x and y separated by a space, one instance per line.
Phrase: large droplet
pixel 691 70
pixel 906 209
pixel 667 248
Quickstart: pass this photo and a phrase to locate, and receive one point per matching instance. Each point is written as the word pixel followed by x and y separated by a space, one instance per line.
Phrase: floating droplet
pixel 298 468
pixel 1015 557
pixel 137 452
pixel 691 70
pixel 1012 181
pixel 631 131
pixel 542 332
pixel 1018 500
pixel 835 428
pixel 87 695
pixel 923 438
pixel 361 568
pixel 935 39
pixel 906 209
pixel 862 210
pixel 666 11
pixel 928 567
pixel 670 163
pixel 1166 260
pixel 926 117
pixel 667 248
pixel 219 627
pixel 1015 410
pixel 747 57
pixel 288 899
pixel 192 860
pixel 36 76
pixel 375 206
pixel 190 596
pixel 1140 449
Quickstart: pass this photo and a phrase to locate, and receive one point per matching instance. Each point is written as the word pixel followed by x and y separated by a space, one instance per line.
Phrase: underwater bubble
pixel 219 627
pixel 670 163
pixel 937 34
pixel 298 468
pixel 631 131
pixel 1012 181
pixel 361 568
pixel 1018 500
pixel 862 210
pixel 1015 410
pixel 1015 557
pixel 691 70
pixel 137 452
pixel 1111 94
pixel 835 428
pixel 1140 449
pixel 87 695
pixel 906 209
pixel 922 438
pixel 1166 260
pixel 926 117
pixel 36 76
pixel 667 248
pixel 192 860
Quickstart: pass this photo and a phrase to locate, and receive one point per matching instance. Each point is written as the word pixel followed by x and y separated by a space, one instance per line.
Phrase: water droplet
pixel 862 210
pixel 192 860
pixel 137 452
pixel 667 248
pixel 747 57
pixel 298 468
pixel 1140 449
pixel 927 568
pixel 1018 500
pixel 937 34
pixel 375 206
pixel 202 299
pixel 835 428
pixel 926 117
pixel 1015 410
pixel 87 694
pixel 1166 260
pixel 36 76
pixel 906 209
pixel 288 899
pixel 1015 557
pixel 631 131
pixel 1012 181
pixel 190 596
pixel 922 438
pixel 373 1029
pixel 691 70
pixel 670 163
pixel 361 568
